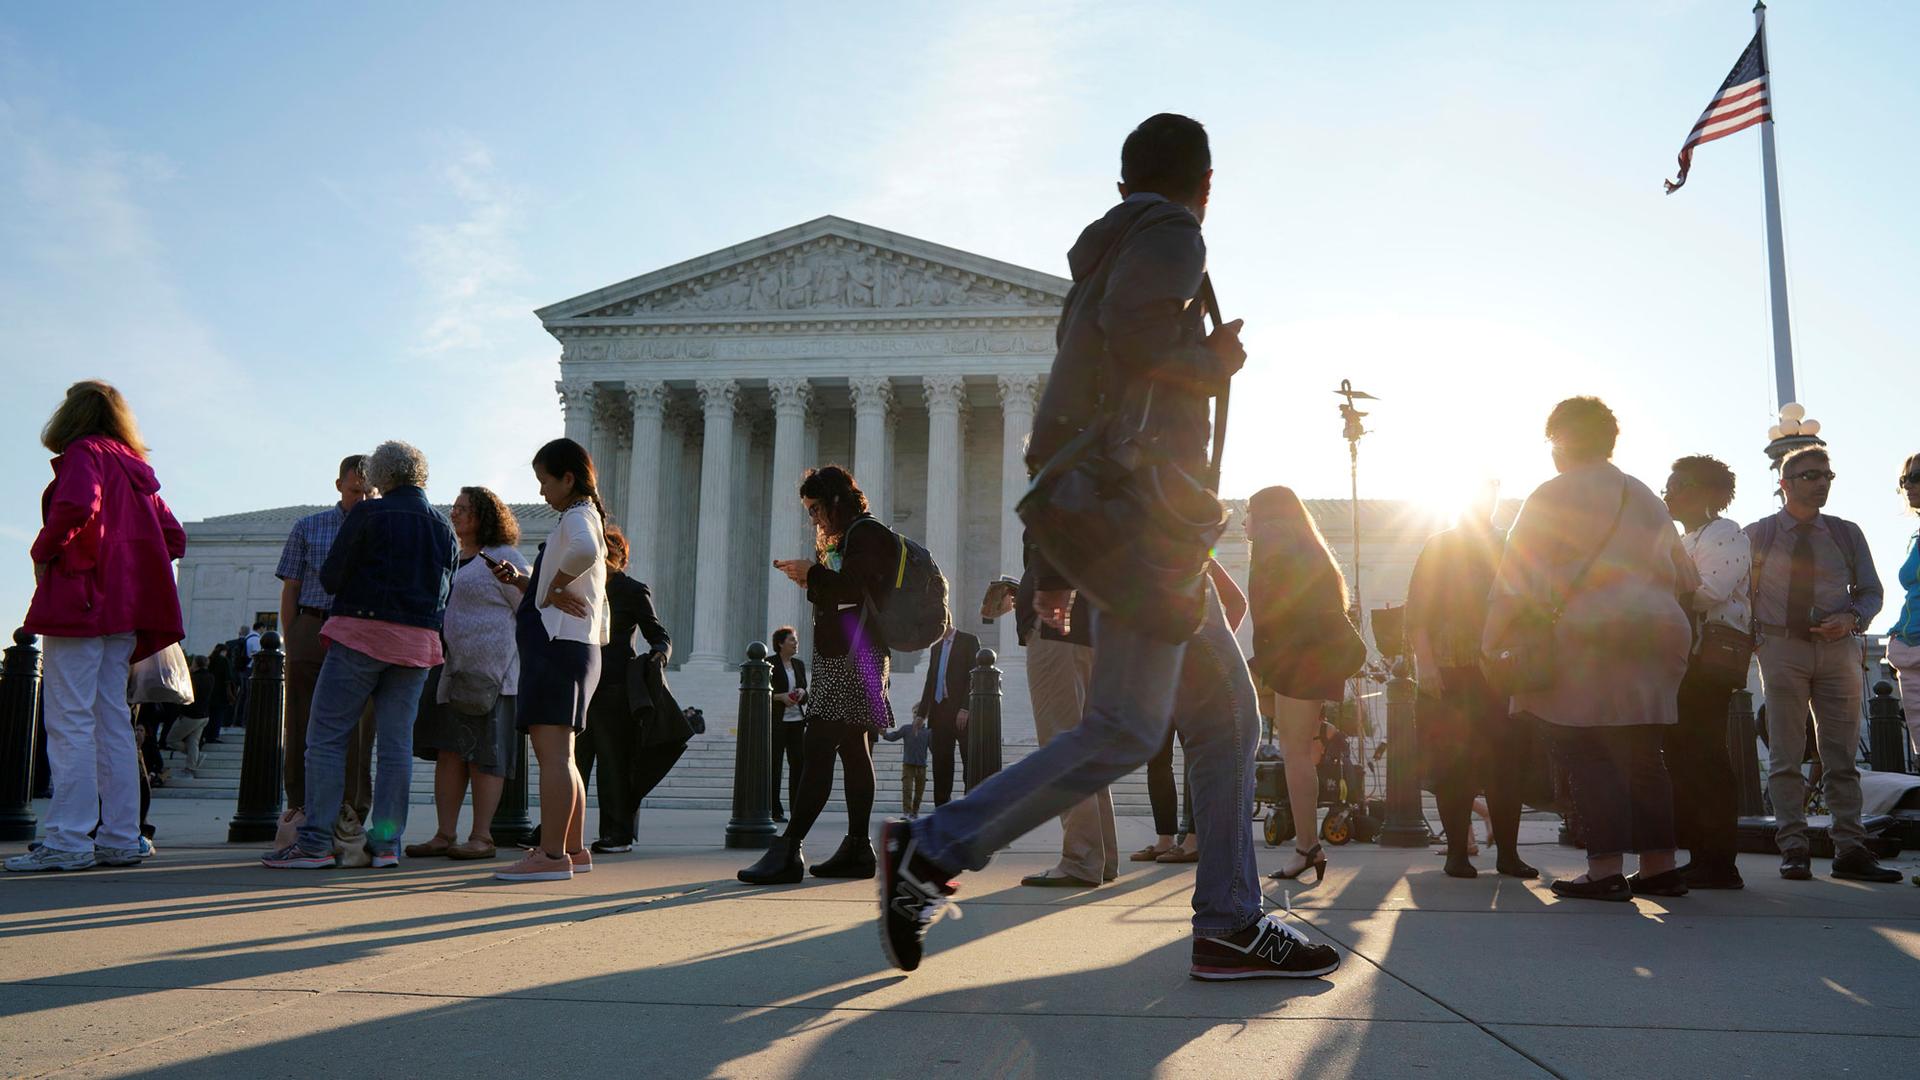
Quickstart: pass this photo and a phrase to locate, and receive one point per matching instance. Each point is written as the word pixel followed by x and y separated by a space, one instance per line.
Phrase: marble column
pixel 790 533
pixel 576 405
pixel 944 393
pixel 601 445
pixel 719 399
pixel 1017 395
pixel 872 401
pixel 648 399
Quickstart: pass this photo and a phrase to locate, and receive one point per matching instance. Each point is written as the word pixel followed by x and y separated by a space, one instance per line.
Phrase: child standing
pixel 913 767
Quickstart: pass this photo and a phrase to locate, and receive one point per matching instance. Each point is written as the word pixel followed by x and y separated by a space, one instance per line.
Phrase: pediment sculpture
pixel 827 276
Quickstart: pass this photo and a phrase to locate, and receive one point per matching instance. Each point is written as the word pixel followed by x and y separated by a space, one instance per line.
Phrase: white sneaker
pixel 109 856
pixel 45 858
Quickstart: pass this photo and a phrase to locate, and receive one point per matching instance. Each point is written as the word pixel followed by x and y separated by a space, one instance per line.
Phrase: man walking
pixel 1814 591
pixel 1131 329
pixel 943 701
pixel 304 607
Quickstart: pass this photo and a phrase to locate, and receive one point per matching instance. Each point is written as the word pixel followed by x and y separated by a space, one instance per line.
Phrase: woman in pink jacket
pixel 104 597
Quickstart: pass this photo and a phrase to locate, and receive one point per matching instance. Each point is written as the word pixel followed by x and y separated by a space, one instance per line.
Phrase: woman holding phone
pixel 561 623
pixel 463 741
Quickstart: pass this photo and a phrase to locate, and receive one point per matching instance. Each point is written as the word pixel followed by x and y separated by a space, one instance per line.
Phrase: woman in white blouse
pixel 562 622
pixel 1704 792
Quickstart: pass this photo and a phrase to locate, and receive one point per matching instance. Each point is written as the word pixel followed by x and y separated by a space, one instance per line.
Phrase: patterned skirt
pixel 852 689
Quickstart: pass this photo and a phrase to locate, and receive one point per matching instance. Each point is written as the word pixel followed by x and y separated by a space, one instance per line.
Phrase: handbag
pixel 1525 663
pixel 1129 529
pixel 161 679
pixel 471 692
pixel 1723 655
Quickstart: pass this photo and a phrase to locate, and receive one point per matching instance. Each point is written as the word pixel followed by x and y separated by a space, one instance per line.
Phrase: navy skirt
pixel 557 678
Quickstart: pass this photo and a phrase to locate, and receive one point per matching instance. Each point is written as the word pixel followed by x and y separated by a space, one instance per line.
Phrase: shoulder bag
pixel 1525 663
pixel 1131 531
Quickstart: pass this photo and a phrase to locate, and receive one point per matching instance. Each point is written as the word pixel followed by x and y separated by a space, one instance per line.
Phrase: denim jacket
pixel 392 561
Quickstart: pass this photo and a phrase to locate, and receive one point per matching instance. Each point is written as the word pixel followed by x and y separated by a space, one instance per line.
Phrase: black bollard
pixel 257 815
pixel 1743 755
pixel 752 822
pixel 983 720
pixel 511 826
pixel 1406 826
pixel 1886 731
pixel 19 704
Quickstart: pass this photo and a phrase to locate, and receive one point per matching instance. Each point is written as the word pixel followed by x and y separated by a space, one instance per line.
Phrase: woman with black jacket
pixel 613 730
pixel 789 715
pixel 855 557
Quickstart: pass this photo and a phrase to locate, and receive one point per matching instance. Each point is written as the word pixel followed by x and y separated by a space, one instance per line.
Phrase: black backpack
pixel 913 614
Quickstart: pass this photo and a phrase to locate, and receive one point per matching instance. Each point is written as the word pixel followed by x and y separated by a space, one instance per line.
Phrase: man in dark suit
pixel 789 715
pixel 944 704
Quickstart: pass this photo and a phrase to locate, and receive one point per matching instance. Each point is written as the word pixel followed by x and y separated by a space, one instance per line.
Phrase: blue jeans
pixel 348 678
pixel 1139 687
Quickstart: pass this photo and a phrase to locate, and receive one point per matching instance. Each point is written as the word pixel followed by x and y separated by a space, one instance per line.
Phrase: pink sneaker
pixel 537 866
pixel 582 861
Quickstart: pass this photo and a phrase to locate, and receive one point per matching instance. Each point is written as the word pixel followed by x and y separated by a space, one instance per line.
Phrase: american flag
pixel 1740 104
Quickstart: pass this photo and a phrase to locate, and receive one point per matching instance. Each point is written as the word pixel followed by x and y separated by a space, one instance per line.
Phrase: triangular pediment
pixel 829 267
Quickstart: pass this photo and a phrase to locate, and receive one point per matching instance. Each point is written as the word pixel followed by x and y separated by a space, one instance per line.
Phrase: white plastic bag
pixel 161 679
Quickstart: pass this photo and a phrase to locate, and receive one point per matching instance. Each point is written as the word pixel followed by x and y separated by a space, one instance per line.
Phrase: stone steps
pixel 701 780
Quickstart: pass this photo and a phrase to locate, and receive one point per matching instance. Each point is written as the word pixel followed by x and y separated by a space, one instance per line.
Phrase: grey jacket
pixel 1131 328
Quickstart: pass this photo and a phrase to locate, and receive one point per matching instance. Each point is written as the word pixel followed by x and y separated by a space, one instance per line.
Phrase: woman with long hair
pixel 103 598
pixel 1297 593
pixel 854 558
pixel 561 623
pixel 467 730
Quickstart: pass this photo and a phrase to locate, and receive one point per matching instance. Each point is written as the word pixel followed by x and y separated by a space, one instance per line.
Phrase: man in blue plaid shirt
pixel 304 607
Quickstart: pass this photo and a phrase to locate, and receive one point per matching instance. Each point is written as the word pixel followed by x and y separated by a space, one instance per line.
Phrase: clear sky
pixel 291 231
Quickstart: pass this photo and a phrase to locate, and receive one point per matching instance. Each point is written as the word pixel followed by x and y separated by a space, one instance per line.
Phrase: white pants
pixel 95 769
pixel 1905 659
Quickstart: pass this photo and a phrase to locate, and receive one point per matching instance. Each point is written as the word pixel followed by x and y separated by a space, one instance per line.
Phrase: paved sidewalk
pixel 659 964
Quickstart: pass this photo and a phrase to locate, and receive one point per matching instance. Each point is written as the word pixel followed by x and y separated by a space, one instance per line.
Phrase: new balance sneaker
pixel 110 856
pixel 292 857
pixel 43 858
pixel 1269 949
pixel 913 895
pixel 385 860
pixel 538 866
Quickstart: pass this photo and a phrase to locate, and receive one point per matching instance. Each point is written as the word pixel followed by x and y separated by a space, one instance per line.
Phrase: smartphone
pixel 486 558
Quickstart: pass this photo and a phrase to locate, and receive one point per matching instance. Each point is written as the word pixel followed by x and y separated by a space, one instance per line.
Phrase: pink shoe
pixel 537 866
pixel 582 861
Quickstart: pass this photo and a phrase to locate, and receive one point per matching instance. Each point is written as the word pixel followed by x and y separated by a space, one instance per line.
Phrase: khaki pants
pixel 913 787
pixel 305 652
pixel 1058 675
pixel 1825 674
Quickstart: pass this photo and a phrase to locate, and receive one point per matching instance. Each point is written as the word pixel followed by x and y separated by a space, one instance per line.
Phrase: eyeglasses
pixel 1815 474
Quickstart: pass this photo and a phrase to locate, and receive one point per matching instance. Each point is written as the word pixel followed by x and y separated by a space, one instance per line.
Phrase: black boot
pixel 1512 865
pixel 1458 865
pixel 781 865
pixel 853 860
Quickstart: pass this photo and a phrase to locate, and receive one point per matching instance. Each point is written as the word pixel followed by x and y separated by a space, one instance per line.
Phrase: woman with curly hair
pixel 854 558
pixel 467 729
pixel 1705 799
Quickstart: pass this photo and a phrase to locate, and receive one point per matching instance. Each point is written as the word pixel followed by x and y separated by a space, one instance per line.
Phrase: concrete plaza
pixel 659 964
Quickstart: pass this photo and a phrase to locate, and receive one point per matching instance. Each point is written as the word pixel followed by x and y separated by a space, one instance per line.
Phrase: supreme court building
pixel 705 390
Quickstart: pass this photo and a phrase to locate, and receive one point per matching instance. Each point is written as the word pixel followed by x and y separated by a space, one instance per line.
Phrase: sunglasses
pixel 1910 479
pixel 1815 474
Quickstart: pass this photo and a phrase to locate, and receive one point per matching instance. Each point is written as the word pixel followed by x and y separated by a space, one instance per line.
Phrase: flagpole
pixel 1776 248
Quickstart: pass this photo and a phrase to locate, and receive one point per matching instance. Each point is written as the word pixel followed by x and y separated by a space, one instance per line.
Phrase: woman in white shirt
pixel 561 624
pixel 1704 793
